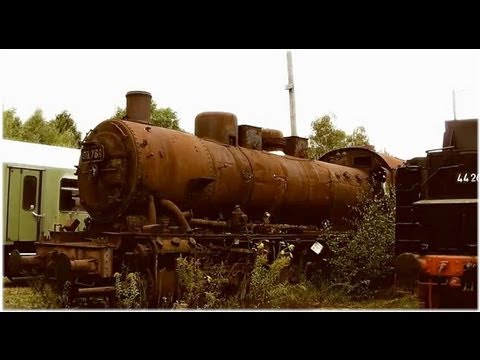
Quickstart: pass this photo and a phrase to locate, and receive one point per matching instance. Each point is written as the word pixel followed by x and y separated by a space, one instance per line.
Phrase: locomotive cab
pixel 436 220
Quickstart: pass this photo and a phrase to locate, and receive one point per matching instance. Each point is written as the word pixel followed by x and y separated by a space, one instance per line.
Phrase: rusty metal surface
pixel 272 140
pixel 209 177
pixel 172 245
pixel 138 106
pixel 99 258
pixel 250 137
pixel 348 155
pixel 84 265
pixel 64 236
pixel 203 222
pixel 296 146
pixel 217 126
pixel 108 186
pixel 392 162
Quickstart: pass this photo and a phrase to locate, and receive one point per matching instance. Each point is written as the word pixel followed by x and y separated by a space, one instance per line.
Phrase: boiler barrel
pixel 211 177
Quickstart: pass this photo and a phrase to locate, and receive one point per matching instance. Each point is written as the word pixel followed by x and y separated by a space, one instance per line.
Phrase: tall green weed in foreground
pixel 361 260
pixel 130 290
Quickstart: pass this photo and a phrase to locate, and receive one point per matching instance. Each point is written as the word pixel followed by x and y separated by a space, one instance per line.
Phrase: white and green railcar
pixel 40 192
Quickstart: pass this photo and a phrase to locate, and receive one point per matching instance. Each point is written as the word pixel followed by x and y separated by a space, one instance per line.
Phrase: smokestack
pixel 138 106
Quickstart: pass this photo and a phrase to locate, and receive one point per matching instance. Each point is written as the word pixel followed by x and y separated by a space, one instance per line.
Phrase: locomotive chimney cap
pixel 138 92
pixel 138 106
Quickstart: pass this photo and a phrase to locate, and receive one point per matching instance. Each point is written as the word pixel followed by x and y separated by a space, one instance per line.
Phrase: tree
pixel 164 117
pixel 37 130
pixel 11 124
pixel 61 131
pixel 66 129
pixel 326 137
pixel 358 137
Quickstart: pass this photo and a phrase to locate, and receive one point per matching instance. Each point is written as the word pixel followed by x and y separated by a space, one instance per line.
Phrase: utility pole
pixel 454 105
pixel 291 92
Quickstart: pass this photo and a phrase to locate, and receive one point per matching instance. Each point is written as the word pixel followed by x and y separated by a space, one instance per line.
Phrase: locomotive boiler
pixel 154 194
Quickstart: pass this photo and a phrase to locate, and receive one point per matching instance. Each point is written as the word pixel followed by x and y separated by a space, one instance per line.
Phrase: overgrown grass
pixel 267 288
pixel 37 295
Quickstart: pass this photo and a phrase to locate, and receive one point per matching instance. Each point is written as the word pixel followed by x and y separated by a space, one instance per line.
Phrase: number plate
pixel 94 153
pixel 467 177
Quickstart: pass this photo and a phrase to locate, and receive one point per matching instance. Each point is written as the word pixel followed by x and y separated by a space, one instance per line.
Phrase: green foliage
pixel 198 289
pixel 11 124
pixel 66 129
pixel 358 137
pixel 130 290
pixel 61 131
pixel 266 281
pixel 268 288
pixel 37 130
pixel 327 137
pixel 163 117
pixel 362 259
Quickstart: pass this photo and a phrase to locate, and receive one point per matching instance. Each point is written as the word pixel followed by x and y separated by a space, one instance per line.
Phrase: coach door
pixel 24 215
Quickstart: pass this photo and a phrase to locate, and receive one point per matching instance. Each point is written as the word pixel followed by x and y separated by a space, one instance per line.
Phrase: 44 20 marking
pixel 467 177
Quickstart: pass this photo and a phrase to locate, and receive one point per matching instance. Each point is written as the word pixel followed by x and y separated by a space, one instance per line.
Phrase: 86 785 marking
pixel 467 177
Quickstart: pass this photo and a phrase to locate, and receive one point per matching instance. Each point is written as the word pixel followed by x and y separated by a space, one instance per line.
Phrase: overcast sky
pixel 401 97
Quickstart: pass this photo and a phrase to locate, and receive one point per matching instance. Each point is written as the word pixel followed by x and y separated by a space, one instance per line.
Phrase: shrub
pixel 265 282
pixel 362 258
pixel 130 290
pixel 199 289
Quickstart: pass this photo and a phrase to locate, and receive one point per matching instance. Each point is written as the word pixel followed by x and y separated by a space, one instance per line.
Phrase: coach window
pixel 69 196
pixel 29 192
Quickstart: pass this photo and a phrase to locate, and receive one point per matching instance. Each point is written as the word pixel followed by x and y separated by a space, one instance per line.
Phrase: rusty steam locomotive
pixel 154 194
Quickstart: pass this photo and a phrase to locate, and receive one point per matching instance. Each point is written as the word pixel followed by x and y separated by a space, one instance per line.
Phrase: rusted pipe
pixel 167 204
pixel 83 265
pixel 203 222
pixel 95 291
pixel 188 214
pixel 152 212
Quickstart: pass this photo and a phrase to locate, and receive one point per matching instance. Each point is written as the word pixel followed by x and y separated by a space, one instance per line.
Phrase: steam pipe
pixel 167 204
pixel 152 212
pixel 214 223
